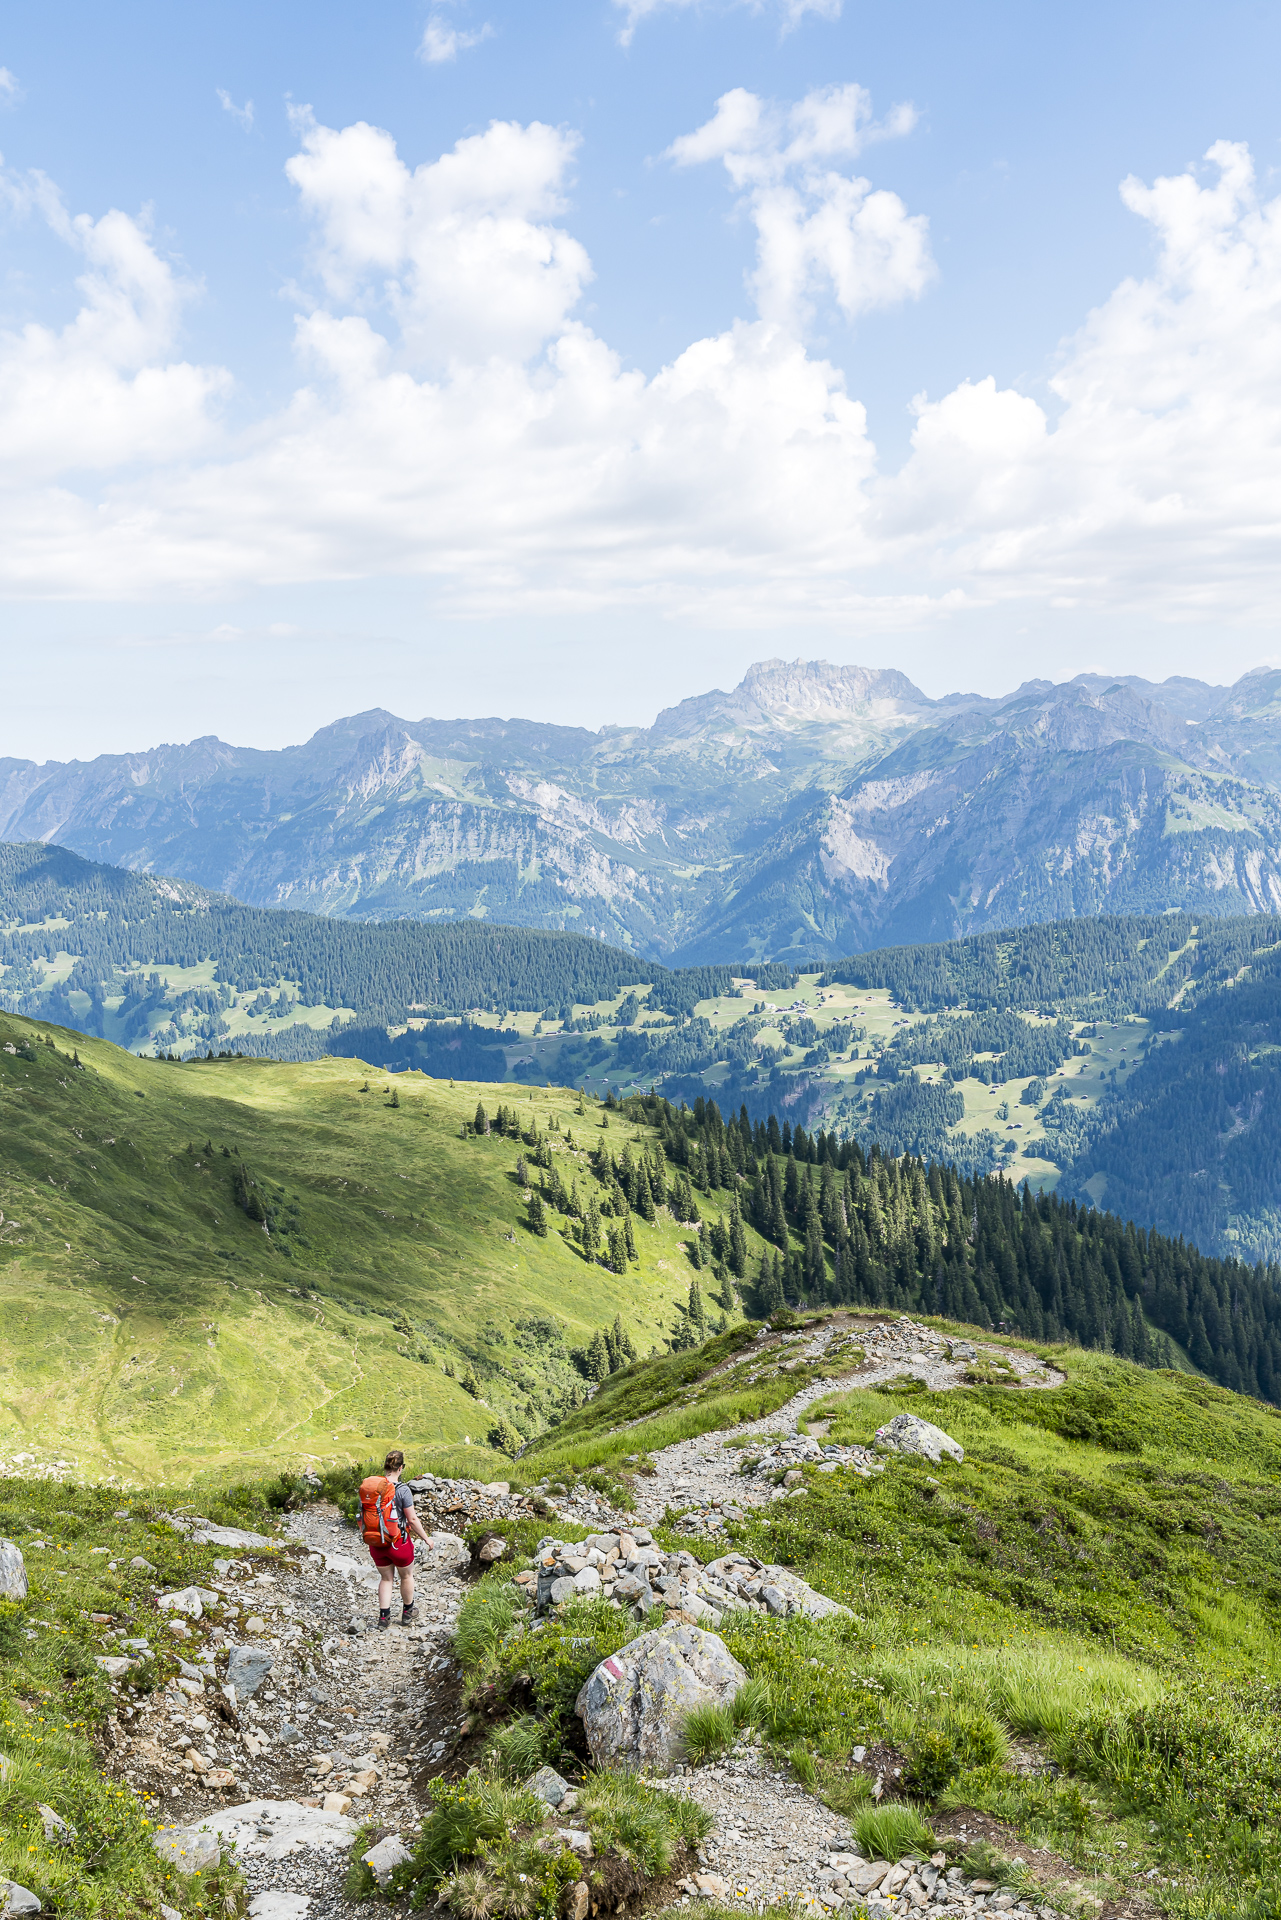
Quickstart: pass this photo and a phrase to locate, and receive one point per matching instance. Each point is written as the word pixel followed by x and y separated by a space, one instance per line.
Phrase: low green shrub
pixel 485 1620
pixel 467 1816
pixel 519 1747
pixel 642 1824
pixel 888 1831
pixel 932 1764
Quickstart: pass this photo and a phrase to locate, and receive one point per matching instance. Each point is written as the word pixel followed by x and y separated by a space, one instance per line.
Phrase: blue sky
pixel 562 390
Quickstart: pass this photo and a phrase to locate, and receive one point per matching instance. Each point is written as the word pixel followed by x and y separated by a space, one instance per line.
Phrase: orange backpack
pixel 378 1520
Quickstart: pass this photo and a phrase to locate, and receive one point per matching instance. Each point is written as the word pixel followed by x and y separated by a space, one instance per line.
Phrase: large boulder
pixel 908 1433
pixel 13 1572
pixel 634 1705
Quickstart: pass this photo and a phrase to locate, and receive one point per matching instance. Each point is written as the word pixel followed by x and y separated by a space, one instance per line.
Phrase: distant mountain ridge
pixel 812 810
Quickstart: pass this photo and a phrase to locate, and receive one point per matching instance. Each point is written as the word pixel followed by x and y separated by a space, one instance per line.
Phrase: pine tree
pixel 481 1123
pixel 395 1096
pixel 536 1219
pixel 737 1243
pixel 697 1311
pixel 623 1340
pixel 597 1357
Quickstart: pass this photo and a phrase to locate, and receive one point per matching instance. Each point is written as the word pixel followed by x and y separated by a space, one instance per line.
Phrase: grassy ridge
pixel 1097 1587
pixel 148 1326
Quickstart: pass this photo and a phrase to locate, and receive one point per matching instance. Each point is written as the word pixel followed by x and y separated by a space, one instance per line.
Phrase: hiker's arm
pixel 416 1526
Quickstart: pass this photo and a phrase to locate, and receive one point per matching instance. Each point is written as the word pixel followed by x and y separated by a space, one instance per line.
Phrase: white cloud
pixel 441 42
pixel 817 229
pixel 1160 480
pixel 100 392
pixel 244 115
pixel 462 252
pixel 10 89
pixel 456 421
pixel 790 12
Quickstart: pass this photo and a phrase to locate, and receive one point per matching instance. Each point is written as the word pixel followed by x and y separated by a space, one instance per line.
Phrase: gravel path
pixel 703 1477
pixel 349 1724
pixel 345 1729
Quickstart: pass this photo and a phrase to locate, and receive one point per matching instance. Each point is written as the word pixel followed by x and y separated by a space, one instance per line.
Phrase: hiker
pixel 387 1519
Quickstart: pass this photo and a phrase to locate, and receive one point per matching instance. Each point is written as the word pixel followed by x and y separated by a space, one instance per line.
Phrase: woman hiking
pixel 387 1520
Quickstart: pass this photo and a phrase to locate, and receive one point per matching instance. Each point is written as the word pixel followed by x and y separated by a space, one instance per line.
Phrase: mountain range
pixel 814 810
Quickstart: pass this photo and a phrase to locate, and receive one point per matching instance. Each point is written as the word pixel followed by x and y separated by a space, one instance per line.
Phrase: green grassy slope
pixel 149 1326
pixel 1071 1640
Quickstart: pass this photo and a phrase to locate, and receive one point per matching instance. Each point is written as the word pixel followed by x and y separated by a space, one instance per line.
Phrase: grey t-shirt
pixel 404 1501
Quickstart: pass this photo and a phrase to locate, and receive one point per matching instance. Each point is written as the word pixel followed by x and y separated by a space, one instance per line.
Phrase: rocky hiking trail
pixel 295 1723
pixel 703 1480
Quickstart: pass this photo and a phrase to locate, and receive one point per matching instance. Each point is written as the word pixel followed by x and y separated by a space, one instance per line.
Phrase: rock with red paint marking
pixel 634 1705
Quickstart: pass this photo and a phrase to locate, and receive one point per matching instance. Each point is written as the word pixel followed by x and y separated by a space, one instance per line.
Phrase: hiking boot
pixel 407 1614
pixel 384 1618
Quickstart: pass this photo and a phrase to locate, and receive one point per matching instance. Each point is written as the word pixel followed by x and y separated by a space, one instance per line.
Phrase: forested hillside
pixel 1134 1060
pixel 846 1227
pixel 163 963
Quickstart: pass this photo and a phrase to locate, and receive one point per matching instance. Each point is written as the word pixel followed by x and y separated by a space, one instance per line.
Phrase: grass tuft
pixel 889 1831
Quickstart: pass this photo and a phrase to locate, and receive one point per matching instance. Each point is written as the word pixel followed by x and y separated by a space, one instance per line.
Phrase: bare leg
pixel 384 1588
pixel 407 1586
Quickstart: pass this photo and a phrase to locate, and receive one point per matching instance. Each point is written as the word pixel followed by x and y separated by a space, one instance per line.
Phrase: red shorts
pixel 401 1555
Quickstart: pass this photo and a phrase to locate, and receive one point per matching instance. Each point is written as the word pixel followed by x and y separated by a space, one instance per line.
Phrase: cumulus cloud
pixel 102 391
pixel 441 42
pixel 244 115
pixel 790 13
pixel 10 90
pixel 463 253
pixel 455 419
pixel 817 229
pixel 1159 479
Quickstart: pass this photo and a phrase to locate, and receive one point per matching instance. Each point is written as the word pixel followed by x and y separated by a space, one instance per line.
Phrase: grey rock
pixel 185 1600
pixel 18 1899
pixel 775 1600
pixel 562 1588
pixel 633 1707
pixel 492 1549
pixel 57 1831
pixel 114 1665
pixel 187 1849
pixel 209 1535
pixel 578 1839
pixel 548 1785
pixel 247 1668
pixel 383 1859
pixel 908 1433
pixel 798 1594
pixel 587 1580
pixel 632 1586
pixel 289 1734
pixel 13 1572
pixel 449 1551
pixel 192 1673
